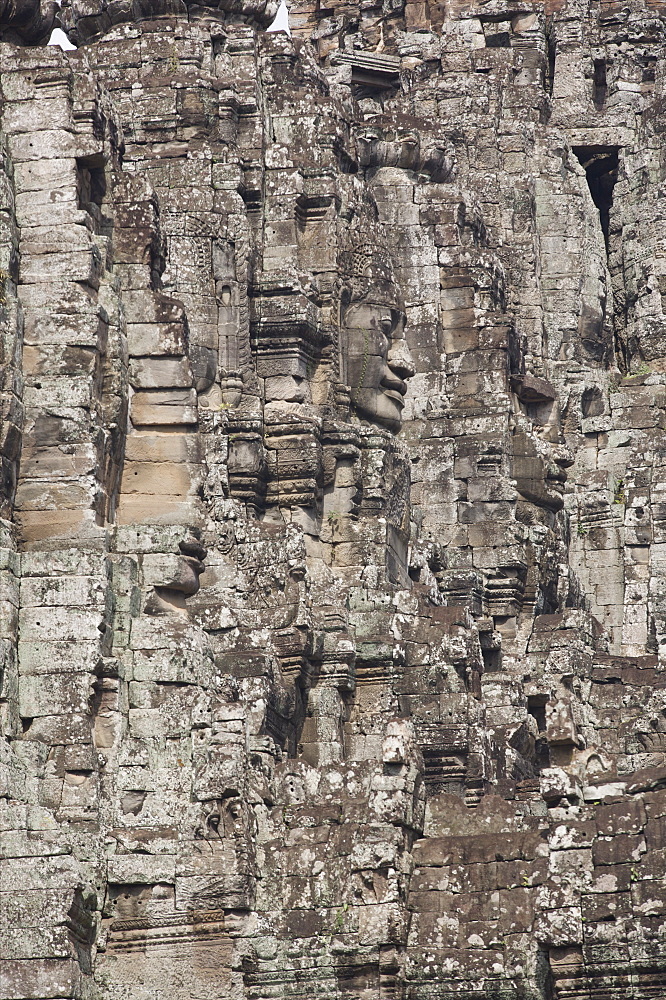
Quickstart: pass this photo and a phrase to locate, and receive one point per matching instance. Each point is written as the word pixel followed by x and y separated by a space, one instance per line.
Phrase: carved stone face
pixel 174 577
pixel 540 458
pixel 408 148
pixel 376 360
pixel 539 467
pixel 89 19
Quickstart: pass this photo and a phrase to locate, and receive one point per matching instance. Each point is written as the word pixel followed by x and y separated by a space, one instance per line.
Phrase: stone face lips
pixel 331 559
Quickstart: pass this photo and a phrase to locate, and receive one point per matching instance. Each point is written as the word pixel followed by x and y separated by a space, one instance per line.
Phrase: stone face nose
pixel 191 546
pixel 400 360
pixel 563 456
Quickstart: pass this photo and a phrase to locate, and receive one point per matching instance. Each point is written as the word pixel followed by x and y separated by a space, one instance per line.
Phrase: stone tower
pixel 333 465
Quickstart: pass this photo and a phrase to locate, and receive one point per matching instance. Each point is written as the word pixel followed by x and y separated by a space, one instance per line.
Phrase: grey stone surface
pixel 332 558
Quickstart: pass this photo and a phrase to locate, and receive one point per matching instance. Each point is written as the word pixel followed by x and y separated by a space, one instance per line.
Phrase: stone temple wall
pixel 333 501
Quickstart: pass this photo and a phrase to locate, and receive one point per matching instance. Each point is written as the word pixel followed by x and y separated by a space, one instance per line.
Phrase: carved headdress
pixel 367 271
pixel 86 20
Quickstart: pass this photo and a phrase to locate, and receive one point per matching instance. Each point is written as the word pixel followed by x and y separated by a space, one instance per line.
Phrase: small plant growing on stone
pixel 619 495
pixel 643 369
pixel 173 62
pixel 581 530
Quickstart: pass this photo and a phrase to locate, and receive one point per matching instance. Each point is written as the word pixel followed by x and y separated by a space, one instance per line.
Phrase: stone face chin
pixel 332 501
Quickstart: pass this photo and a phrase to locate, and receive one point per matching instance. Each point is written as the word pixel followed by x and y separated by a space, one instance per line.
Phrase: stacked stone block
pixel 311 687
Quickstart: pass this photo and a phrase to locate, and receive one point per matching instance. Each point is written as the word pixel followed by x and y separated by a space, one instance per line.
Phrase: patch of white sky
pixel 281 23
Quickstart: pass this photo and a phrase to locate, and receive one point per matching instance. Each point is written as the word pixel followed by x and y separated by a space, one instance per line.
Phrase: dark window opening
pixel 592 403
pixel 363 89
pixel 492 660
pixel 91 190
pixel 219 44
pixel 536 707
pixel 547 600
pixel 516 353
pixel 544 972
pixel 550 67
pixel 541 754
pixel 600 164
pixel 599 84
pixel 91 183
pixel 157 268
pixel 499 40
pixel 369 82
pixel 252 199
